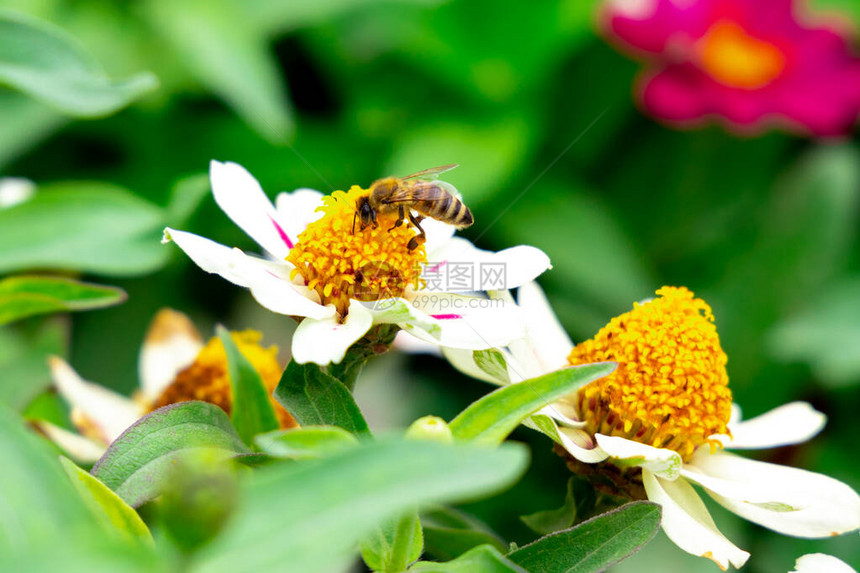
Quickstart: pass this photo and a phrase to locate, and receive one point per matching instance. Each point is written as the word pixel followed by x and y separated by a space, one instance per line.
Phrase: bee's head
pixel 364 212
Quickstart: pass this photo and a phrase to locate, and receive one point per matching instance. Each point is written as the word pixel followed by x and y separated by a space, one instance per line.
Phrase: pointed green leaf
pixel 593 545
pixel 226 54
pixel 449 533
pixel 25 296
pixel 134 465
pixel 492 418
pixel 482 559
pixel 37 499
pixel 82 226
pixel 552 520
pixel 309 516
pixel 251 412
pixel 303 443
pixel 394 544
pixel 44 62
pixel 108 507
pixel 315 398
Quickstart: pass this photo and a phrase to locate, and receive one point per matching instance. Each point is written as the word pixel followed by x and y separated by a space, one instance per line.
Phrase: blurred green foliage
pixel 535 107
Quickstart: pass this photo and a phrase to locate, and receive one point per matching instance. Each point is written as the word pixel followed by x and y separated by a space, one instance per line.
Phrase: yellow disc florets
pixel 207 379
pixel 670 389
pixel 340 263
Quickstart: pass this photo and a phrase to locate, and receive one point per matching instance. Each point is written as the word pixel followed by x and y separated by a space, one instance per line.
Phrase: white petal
pixel 411 345
pixel 788 500
pixel 789 424
pixel 210 256
pixel 471 322
pixel 76 446
pixel 688 524
pixel 665 464
pixel 282 296
pixel 405 314
pixel 327 340
pixel 15 190
pixel 821 563
pixel 581 445
pixel 270 288
pixel 171 345
pixel 736 415
pixel 546 337
pixel 459 266
pixel 109 412
pixel 438 234
pixel 243 200
pixel 297 210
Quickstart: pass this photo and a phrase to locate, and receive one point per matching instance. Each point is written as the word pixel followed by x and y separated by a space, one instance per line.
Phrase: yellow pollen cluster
pixel 207 379
pixel 670 389
pixel 367 264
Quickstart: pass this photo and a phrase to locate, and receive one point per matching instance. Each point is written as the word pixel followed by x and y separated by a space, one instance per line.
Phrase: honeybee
pixel 420 192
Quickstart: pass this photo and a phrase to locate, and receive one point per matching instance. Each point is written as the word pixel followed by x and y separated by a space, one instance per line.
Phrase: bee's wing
pixel 432 172
pixel 418 191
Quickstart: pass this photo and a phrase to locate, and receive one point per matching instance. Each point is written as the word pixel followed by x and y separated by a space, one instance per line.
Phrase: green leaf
pixel 251 412
pixel 115 515
pixel 448 533
pixel 37 499
pixel 394 544
pixel 493 417
pixel 225 53
pixel 315 398
pixel 134 465
pixel 579 502
pixel 25 296
pixel 481 559
pixel 825 333
pixel 596 258
pixel 90 227
pixel 185 197
pixel 275 17
pixel 25 122
pixel 593 545
pixel 24 351
pixel 44 62
pixel 309 516
pixel 305 443
pixel 493 363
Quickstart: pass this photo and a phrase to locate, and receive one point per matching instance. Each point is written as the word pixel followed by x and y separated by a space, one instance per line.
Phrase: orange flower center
pixel 207 379
pixel 736 59
pixel 670 389
pixel 341 261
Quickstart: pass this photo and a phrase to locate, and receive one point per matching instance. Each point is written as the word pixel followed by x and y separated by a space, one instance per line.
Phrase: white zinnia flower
pixel 322 268
pixel 667 411
pixel 174 365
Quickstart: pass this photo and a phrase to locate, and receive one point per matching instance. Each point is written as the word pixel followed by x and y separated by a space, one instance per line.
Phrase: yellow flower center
pixel 736 59
pixel 207 379
pixel 341 263
pixel 670 389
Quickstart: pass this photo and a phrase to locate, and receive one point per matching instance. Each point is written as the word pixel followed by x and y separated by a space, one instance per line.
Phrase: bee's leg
pixel 401 215
pixel 413 242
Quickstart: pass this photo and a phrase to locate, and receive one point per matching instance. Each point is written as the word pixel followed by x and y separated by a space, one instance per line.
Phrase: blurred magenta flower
pixel 750 63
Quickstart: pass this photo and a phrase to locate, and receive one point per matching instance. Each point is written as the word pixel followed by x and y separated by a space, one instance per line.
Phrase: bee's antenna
pixel 354 215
